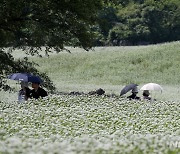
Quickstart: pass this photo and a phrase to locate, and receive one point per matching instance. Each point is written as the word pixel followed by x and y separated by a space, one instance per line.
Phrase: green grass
pixel 98 124
pixel 113 67
pixel 116 65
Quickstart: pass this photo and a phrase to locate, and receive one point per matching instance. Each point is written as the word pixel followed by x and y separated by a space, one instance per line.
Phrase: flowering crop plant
pixel 89 124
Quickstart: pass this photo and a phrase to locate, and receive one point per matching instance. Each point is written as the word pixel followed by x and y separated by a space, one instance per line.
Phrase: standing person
pixel 37 91
pixel 24 93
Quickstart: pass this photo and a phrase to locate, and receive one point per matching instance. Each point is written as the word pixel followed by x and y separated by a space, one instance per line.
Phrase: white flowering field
pixel 89 124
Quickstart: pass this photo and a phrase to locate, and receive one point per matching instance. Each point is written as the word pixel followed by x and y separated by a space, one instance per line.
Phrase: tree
pixel 28 25
pixel 131 28
pixel 9 65
pixel 163 19
pixel 47 22
pixel 146 21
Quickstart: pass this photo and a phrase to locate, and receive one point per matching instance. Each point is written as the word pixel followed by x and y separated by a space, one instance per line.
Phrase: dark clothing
pixel 146 96
pixel 100 91
pixel 97 92
pixel 133 96
pixel 39 93
pixel 28 91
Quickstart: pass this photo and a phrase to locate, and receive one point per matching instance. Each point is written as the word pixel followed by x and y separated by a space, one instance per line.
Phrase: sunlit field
pixel 111 68
pixel 98 124
pixel 89 124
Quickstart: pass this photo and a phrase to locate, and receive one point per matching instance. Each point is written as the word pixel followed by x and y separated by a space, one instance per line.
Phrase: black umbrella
pixel 128 88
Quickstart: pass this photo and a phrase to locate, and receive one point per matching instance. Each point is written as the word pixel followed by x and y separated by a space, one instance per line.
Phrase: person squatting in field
pixel 134 94
pixel 37 91
pixel 25 93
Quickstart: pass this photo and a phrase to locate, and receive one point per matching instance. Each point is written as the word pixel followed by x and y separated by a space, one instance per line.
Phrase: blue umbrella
pixel 26 77
pixel 19 76
pixel 35 79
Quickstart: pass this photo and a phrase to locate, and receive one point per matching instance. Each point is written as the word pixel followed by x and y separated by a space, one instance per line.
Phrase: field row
pixel 89 124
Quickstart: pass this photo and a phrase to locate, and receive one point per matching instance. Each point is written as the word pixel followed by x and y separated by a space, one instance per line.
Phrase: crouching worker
pixel 134 94
pixel 37 91
pixel 146 95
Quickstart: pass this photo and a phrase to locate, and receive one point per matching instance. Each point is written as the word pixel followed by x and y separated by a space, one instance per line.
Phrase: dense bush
pixel 143 22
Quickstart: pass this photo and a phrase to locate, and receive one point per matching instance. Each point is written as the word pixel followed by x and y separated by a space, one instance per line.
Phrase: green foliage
pixel 144 22
pixel 51 23
pixel 131 27
pixel 107 19
pixel 29 25
pixel 10 65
